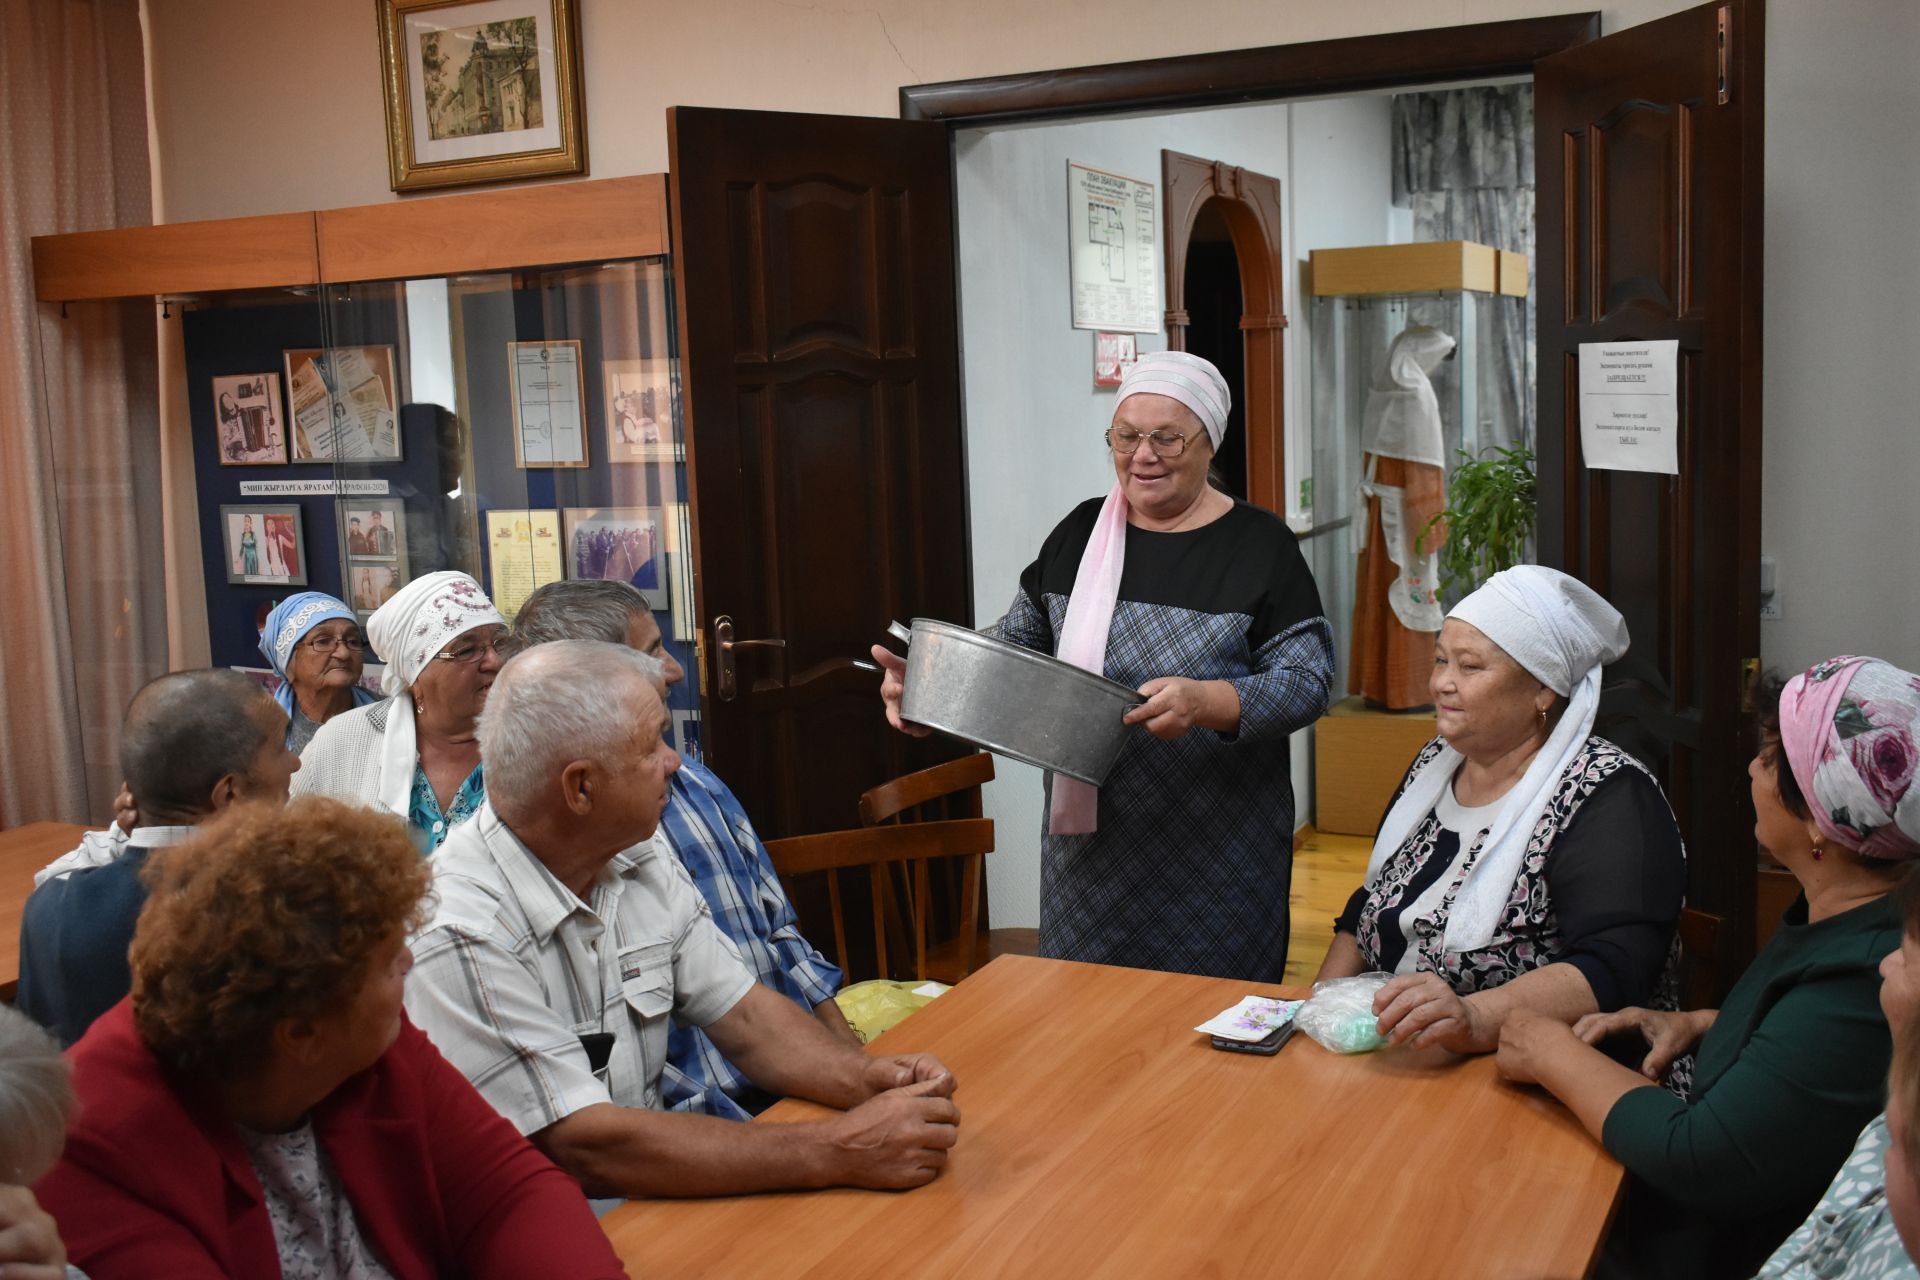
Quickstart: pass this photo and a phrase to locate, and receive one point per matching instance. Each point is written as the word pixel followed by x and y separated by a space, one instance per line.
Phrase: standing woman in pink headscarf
pixel 1183 860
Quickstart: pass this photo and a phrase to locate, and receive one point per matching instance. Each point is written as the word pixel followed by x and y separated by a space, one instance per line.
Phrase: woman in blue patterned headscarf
pixel 315 645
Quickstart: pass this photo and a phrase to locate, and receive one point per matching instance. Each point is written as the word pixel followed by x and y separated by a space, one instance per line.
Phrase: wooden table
pixel 23 851
pixel 1101 1136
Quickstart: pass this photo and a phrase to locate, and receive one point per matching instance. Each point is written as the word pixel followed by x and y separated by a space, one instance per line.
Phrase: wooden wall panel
pixel 486 231
pixel 188 257
pixel 496 230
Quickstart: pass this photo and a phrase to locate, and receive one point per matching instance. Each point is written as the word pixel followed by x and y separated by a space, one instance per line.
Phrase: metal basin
pixel 1013 701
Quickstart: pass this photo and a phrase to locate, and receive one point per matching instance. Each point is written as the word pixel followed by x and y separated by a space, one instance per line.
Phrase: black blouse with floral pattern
pixel 1600 888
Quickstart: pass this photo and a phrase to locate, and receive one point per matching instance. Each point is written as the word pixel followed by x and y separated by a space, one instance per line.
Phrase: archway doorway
pixel 1224 301
pixel 1213 306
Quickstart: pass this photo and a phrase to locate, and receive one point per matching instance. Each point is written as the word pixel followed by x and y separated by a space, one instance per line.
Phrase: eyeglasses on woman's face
pixel 468 650
pixel 1125 441
pixel 327 644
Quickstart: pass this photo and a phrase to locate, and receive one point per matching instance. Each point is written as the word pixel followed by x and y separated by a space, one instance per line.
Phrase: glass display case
pixel 1375 297
pixel 522 427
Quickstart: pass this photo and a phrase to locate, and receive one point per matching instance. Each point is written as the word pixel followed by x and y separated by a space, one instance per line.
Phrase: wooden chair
pixel 1702 958
pixel 879 849
pixel 891 800
pixel 950 790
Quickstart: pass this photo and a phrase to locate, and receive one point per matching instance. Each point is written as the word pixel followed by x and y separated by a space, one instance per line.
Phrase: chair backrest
pixel 903 794
pixel 878 849
pixel 1702 956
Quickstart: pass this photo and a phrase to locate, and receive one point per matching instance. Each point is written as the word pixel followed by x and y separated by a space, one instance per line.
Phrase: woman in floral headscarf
pixel 1777 1082
pixel 416 753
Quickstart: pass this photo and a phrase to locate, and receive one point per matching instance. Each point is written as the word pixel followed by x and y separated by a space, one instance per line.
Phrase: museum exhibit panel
pixel 380 393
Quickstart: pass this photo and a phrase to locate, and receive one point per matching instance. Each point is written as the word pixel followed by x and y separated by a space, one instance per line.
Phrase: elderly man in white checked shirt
pixel 564 939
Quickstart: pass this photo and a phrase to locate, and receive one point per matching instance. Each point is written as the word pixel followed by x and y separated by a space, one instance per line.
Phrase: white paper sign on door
pixel 1630 406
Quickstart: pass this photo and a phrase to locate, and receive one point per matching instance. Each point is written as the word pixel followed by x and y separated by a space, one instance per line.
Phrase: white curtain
pixel 1463 163
pixel 84 621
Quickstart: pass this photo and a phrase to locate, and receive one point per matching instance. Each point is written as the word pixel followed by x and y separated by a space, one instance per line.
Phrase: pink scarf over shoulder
pixel 1075 809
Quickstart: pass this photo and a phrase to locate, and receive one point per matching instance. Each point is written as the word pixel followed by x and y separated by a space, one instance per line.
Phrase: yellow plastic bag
pixel 879 1005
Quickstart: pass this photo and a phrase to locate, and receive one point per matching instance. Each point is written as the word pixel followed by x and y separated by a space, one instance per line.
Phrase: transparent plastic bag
pixel 1340 1013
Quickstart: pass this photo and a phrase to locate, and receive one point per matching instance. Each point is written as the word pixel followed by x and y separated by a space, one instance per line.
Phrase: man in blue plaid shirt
pixel 712 836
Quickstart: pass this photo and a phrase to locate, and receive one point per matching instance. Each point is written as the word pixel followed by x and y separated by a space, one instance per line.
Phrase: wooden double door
pixel 820 346
pixel 818 323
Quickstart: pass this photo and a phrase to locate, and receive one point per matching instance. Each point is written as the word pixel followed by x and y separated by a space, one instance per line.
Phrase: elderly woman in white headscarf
pixel 1183 860
pixel 416 753
pixel 1524 864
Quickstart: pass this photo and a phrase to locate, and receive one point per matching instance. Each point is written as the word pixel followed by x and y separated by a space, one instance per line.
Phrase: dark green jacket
pixel 1790 1072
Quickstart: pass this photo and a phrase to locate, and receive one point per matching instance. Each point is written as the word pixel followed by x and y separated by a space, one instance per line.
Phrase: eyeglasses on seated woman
pixel 313 643
pixel 416 754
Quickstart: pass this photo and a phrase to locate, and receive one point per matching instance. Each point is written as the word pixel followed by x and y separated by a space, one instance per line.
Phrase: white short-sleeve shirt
pixel 514 968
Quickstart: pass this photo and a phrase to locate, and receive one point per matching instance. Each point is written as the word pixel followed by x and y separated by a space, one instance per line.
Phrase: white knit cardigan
pixel 343 760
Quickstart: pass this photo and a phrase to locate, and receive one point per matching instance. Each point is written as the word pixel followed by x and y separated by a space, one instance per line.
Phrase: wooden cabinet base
pixel 1359 756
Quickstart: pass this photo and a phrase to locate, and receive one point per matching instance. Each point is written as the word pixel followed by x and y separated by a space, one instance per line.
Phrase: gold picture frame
pixel 481 91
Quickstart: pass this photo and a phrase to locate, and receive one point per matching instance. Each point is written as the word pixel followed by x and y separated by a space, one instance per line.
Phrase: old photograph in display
pixel 640 417
pixel 372 585
pixel 264 544
pixel 375 530
pixel 248 419
pixel 375 533
pixel 626 544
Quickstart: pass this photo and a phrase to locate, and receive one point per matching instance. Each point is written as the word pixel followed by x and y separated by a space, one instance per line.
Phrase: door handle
pixel 725 647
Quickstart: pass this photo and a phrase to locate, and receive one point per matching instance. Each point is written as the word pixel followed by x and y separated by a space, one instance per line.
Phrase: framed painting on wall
pixel 481 91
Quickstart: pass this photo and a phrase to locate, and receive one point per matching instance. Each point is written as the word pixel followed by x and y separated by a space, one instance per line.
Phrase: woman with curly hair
pixel 261 1106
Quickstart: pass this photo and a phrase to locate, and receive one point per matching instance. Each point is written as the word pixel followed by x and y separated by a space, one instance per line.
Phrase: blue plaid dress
pixel 1191 866
pixel 705 827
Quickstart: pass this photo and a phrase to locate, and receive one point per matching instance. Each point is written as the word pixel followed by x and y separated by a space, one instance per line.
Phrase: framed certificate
pixel 523 555
pixel 549 418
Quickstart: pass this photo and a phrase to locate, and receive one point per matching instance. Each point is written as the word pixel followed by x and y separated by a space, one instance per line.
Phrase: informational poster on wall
pixel 1113 235
pixel 1630 406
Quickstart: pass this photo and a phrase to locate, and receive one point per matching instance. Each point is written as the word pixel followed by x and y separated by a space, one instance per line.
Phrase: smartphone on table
pixel 1266 1048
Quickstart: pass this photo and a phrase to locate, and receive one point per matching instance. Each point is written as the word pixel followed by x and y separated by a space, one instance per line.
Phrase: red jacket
pixel 154 1183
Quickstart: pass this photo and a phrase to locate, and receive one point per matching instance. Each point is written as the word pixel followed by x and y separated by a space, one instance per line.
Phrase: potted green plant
pixel 1491 512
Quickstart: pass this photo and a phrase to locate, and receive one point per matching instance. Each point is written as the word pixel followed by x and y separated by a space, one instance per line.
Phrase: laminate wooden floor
pixel 1326 871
